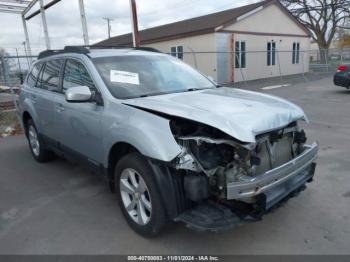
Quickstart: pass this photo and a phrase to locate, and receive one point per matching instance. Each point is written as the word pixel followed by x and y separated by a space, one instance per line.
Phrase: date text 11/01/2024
pixel 173 258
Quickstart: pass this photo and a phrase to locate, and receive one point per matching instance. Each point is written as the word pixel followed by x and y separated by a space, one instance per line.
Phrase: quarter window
pixel 271 53
pixel 75 74
pixel 296 53
pixel 240 53
pixel 50 78
pixel 177 51
pixel 33 75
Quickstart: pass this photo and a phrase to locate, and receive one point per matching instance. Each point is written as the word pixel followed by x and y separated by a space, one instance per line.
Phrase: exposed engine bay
pixel 213 159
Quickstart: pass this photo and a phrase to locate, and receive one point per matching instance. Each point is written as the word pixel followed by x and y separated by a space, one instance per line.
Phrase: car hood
pixel 239 113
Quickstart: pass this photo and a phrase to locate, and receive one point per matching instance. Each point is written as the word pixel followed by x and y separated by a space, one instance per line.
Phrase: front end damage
pixel 229 182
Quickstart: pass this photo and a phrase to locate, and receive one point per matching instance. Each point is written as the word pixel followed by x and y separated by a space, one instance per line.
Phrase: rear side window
pixel 33 75
pixel 75 74
pixel 50 78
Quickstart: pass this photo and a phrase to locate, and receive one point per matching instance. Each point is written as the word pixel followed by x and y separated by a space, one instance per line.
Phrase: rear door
pixel 47 90
pixel 79 124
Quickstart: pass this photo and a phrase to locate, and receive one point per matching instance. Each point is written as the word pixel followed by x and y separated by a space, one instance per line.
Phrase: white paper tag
pixel 124 77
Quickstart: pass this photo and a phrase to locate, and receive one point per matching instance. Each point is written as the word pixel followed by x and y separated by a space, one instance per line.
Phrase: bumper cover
pixel 272 187
pixel 278 182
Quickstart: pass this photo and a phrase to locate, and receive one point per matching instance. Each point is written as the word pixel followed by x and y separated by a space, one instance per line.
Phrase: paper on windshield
pixel 124 77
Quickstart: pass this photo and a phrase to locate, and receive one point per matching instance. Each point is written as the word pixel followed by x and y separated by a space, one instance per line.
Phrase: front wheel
pixel 139 197
pixel 36 144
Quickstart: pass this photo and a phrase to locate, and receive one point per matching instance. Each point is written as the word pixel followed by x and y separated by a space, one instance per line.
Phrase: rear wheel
pixel 36 144
pixel 139 197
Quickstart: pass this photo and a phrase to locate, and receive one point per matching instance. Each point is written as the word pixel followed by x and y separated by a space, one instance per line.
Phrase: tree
pixel 321 18
pixel 342 35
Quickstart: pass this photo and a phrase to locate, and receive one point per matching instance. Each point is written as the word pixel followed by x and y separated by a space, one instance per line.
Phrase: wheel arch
pixel 169 182
pixel 117 151
pixel 25 117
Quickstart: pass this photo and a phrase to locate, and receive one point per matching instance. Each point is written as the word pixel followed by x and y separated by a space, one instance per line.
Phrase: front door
pixel 79 124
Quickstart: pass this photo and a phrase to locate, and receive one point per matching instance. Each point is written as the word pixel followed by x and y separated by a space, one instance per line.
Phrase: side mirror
pixel 78 94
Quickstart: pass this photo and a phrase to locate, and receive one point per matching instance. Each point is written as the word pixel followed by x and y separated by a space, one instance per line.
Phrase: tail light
pixel 342 68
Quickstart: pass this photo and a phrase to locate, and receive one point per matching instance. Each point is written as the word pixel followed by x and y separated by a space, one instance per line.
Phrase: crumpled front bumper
pixel 269 188
pixel 280 181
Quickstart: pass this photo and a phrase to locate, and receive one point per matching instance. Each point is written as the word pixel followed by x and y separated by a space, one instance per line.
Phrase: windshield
pixel 139 76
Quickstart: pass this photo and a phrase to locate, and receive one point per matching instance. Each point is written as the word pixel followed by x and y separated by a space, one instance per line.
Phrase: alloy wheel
pixel 34 141
pixel 135 196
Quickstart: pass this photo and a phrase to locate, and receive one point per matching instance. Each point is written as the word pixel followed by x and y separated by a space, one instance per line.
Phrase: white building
pixel 250 42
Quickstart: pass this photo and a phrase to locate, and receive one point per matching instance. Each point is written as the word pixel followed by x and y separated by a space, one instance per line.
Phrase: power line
pixel 166 8
pixel 178 10
pixel 190 5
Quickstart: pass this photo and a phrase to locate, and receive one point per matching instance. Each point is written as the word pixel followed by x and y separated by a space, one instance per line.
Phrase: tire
pixel 143 198
pixel 36 144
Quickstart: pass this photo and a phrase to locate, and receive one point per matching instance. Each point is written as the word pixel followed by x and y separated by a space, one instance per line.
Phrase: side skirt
pixel 74 156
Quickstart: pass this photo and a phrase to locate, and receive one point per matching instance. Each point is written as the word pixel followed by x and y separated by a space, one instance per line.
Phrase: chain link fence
pixel 328 60
pixel 13 69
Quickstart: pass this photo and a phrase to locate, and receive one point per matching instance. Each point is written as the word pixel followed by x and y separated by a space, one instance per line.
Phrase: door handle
pixel 59 108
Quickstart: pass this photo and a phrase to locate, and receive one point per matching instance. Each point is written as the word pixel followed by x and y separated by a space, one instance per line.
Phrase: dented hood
pixel 239 113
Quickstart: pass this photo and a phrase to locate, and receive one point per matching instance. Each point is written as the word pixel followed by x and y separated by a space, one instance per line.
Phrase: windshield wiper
pixel 175 91
pixel 197 89
pixel 155 94
pixel 194 89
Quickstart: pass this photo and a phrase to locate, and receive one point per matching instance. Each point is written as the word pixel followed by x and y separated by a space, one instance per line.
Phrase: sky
pixel 65 28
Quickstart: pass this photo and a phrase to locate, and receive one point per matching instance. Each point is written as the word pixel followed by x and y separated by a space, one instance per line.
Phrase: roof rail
pixel 48 53
pixel 150 49
pixel 142 48
pixel 67 49
pixel 76 49
pixel 85 50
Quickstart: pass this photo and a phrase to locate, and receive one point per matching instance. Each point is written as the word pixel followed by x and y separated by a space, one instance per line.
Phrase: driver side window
pixel 75 74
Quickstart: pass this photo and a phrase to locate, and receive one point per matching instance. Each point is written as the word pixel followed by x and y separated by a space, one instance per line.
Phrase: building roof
pixel 194 26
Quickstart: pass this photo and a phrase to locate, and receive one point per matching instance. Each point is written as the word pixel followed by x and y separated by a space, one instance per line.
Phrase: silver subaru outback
pixel 172 144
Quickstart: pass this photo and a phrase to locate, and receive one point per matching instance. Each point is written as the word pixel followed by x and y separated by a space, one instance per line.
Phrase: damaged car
pixel 172 144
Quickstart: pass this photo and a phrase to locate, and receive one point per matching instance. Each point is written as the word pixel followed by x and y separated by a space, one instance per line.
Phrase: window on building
pixel 75 74
pixel 177 51
pixel 271 53
pixel 296 53
pixel 240 54
pixel 51 75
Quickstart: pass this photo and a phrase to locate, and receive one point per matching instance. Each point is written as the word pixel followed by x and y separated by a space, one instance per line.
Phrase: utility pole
pixel 135 27
pixel 109 25
pixel 83 22
pixel 43 18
